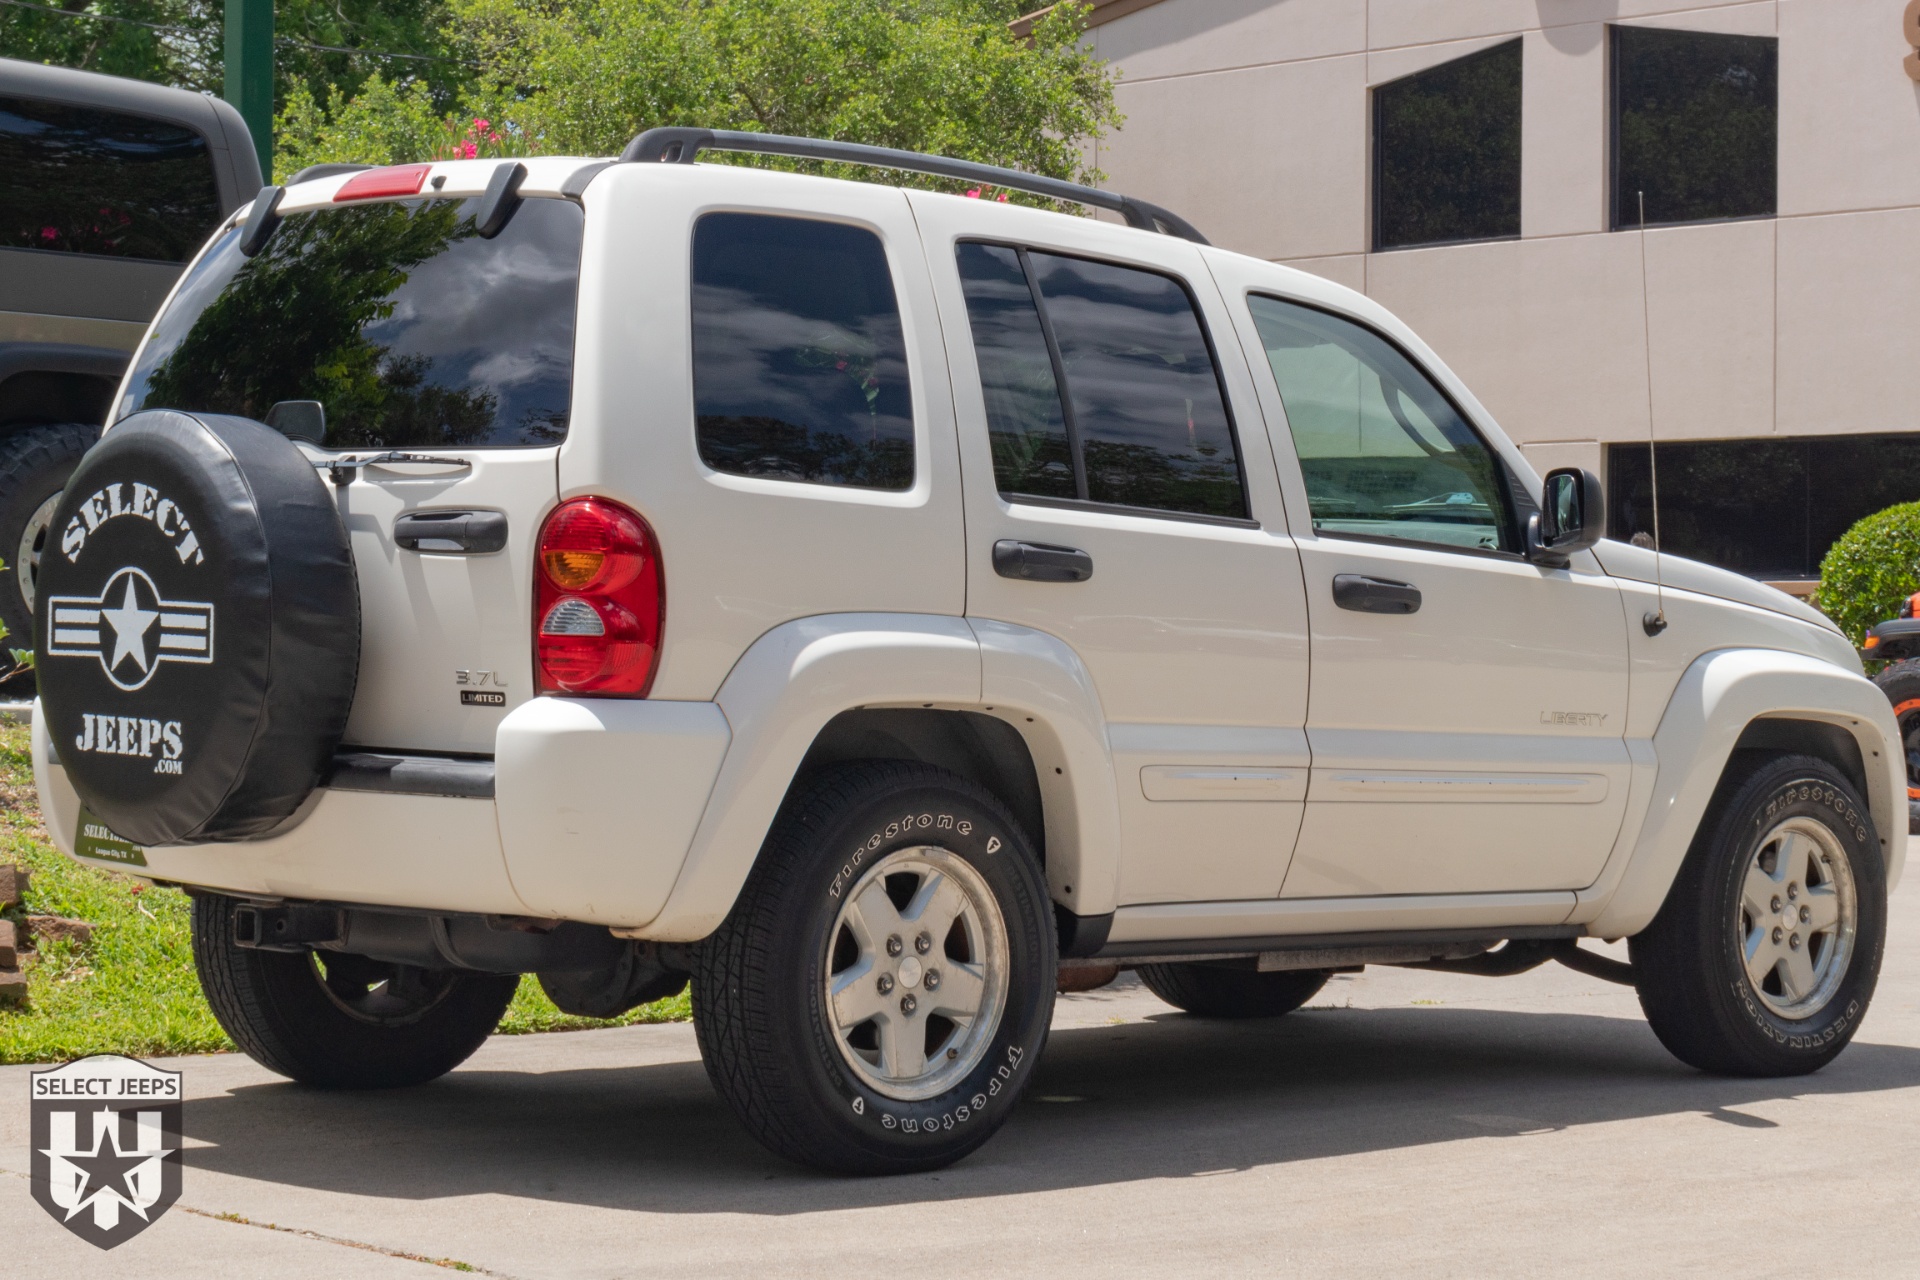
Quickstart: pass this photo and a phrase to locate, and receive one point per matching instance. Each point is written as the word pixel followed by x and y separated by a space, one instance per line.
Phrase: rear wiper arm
pixel 344 471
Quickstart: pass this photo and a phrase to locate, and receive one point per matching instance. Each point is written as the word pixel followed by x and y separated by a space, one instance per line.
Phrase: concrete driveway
pixel 1409 1123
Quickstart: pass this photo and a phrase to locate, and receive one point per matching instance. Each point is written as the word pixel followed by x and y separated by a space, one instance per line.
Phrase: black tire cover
pixel 198 628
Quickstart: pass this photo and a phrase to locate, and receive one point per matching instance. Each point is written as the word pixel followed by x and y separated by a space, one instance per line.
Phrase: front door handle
pixel 1362 594
pixel 452 532
pixel 1040 562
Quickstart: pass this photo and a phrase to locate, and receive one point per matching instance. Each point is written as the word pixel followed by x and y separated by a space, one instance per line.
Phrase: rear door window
pixel 1100 384
pixel 407 327
pixel 799 361
pixel 83 180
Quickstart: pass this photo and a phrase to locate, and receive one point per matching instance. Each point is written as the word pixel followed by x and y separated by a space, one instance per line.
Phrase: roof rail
pixel 681 145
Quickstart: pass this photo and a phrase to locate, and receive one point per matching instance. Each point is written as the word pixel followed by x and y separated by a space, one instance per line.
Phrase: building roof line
pixel 1099 12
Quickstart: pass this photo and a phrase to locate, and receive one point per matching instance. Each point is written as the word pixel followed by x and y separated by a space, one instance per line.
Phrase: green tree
pixel 583 77
pixel 119 37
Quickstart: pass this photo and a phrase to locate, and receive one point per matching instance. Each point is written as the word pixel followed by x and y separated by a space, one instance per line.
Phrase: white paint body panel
pixel 1199 778
pixel 599 798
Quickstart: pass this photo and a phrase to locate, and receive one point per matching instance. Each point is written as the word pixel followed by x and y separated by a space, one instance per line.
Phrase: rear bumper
pixel 585 813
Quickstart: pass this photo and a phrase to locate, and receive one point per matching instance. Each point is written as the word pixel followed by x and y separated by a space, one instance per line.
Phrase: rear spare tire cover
pixel 198 628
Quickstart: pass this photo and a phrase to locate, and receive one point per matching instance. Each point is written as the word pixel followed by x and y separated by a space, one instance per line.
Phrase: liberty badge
pixel 106 1146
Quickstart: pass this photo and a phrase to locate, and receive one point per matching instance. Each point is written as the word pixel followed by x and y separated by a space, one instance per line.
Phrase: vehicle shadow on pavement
pixel 1171 1096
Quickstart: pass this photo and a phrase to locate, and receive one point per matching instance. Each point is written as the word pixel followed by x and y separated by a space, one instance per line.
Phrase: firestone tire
pixel 1765 955
pixel 832 1005
pixel 198 629
pixel 342 1022
pixel 1219 991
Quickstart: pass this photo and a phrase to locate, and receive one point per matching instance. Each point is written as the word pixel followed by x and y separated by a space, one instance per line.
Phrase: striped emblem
pixel 129 629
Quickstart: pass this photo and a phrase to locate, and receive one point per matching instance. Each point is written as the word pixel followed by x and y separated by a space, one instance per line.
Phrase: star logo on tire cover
pixel 130 629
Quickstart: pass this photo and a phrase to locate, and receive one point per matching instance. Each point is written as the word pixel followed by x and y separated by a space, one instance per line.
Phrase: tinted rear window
pixel 81 180
pixel 799 365
pixel 410 329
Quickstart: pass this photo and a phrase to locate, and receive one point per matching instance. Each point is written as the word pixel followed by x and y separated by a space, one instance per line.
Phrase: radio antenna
pixel 1656 622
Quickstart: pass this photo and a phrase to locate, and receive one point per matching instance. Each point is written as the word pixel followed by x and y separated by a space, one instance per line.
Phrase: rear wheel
pixel 1766 953
pixel 1230 990
pixel 341 1021
pixel 877 998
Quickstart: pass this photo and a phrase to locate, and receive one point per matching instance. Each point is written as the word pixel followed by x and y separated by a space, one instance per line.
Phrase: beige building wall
pixel 1250 117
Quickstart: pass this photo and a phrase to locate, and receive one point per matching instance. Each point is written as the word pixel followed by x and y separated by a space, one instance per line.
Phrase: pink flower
pixel 974 194
pixel 468 151
pixel 480 124
pixel 49 233
pixel 1002 197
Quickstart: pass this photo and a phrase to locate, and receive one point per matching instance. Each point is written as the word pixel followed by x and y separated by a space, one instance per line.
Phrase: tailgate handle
pixel 1375 595
pixel 1039 562
pixel 456 532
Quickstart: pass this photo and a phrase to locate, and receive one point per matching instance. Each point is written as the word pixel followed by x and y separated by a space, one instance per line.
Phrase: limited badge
pixel 94 840
pixel 106 1146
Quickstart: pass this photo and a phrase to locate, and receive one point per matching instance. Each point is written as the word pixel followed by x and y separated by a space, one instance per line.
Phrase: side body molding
pixel 777 698
pixel 1718 697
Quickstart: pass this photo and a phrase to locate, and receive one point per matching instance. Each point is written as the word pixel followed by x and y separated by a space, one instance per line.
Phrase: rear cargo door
pixel 446 634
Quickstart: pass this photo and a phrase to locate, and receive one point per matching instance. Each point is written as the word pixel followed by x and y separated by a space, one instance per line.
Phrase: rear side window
pixel 799 363
pixel 82 180
pixel 407 327
pixel 1384 454
pixel 1100 384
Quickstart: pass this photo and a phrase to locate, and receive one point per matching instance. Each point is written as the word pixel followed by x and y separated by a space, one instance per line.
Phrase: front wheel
pixel 340 1021
pixel 1765 955
pixel 878 997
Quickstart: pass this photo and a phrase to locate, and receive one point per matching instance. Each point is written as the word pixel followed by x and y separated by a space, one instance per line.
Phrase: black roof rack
pixel 681 145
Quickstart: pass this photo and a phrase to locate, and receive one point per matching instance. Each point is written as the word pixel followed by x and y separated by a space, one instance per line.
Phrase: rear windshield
pixel 407 327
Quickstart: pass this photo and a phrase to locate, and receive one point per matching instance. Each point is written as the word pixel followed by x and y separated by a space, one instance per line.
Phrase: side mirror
pixel 1572 512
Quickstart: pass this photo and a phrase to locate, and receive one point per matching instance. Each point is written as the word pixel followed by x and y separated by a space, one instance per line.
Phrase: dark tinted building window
pixel 1769 508
pixel 1446 150
pixel 80 180
pixel 799 365
pixel 1143 422
pixel 407 327
pixel 1695 125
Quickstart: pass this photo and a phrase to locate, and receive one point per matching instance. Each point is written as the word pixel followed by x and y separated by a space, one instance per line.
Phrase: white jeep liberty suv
pixel 863 602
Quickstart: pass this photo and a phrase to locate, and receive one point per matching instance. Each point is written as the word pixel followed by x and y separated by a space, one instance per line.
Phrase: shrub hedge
pixel 1871 570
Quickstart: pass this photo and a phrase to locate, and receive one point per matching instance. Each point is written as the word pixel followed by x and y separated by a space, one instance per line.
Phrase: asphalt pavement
pixel 1406 1124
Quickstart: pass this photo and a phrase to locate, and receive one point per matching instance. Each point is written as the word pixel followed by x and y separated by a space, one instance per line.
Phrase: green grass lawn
pixel 132 989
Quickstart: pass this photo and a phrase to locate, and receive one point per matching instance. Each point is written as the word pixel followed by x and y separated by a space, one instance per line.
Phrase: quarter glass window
pixel 1446 152
pixel 1695 125
pixel 1383 452
pixel 81 180
pixel 1025 422
pixel 799 363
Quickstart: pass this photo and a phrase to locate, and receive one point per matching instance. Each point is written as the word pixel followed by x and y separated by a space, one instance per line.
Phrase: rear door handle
pixel 452 532
pixel 1362 594
pixel 1040 562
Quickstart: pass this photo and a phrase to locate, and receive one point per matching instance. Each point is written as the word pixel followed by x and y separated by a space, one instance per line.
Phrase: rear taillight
pixel 599 601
